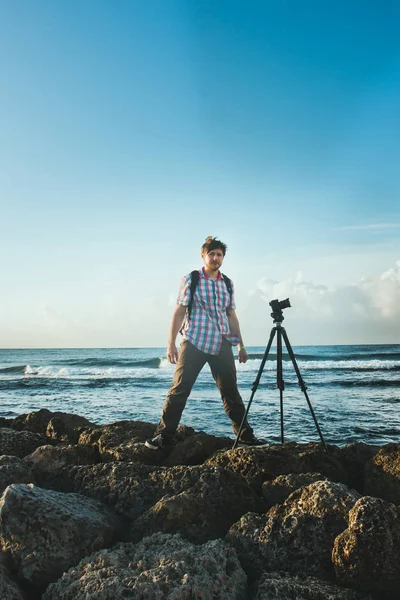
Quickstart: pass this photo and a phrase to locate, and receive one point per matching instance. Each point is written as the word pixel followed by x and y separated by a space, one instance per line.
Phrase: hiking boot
pixel 253 441
pixel 158 442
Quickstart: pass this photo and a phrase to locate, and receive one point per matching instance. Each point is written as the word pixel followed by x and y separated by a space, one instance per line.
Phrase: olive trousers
pixel 190 362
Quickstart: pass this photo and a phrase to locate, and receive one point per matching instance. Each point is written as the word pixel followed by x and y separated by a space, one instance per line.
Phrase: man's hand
pixel 242 355
pixel 172 353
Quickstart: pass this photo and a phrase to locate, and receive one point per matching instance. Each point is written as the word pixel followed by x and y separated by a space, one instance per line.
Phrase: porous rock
pixel 354 458
pixel 159 567
pixel 48 459
pixel 19 443
pixel 194 450
pixel 14 470
pixel 38 421
pixel 275 586
pixel 260 464
pixel 202 512
pixel 296 536
pixel 132 488
pixel 366 555
pixel 9 589
pixel 119 440
pixel 46 532
pixel 276 491
pixel 382 474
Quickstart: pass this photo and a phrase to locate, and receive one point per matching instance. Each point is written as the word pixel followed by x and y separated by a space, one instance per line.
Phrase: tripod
pixel 280 333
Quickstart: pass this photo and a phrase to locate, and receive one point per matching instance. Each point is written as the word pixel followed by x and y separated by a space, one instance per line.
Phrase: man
pixel 209 332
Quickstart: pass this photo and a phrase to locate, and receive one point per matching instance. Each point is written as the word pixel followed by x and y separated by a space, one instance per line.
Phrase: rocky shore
pixel 88 512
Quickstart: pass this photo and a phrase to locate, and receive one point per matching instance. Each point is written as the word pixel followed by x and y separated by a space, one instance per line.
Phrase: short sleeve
pixel 184 291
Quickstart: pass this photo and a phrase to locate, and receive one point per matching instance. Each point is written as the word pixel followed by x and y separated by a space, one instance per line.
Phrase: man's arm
pixel 235 329
pixel 176 324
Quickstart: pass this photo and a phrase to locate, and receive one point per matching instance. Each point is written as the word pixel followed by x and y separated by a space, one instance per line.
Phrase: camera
pixel 277 305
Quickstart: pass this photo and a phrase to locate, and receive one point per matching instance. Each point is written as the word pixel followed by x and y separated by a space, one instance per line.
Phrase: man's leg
pixel 224 372
pixel 190 362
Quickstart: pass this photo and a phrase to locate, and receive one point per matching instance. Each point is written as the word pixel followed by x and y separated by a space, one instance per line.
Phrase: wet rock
pixel 274 586
pixel 14 470
pixel 261 464
pixel 46 532
pixel 161 566
pixel 382 474
pixel 366 555
pixel 297 536
pixel 202 512
pixel 276 491
pixel 9 589
pixel 49 459
pixel 19 443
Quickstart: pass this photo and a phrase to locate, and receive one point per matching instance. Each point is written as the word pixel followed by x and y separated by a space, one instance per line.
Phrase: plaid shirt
pixel 208 322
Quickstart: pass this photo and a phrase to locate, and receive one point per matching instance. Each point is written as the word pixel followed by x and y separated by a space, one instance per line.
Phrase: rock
pixel 274 586
pixel 127 488
pixel 382 474
pixel 353 458
pixel 9 589
pixel 19 443
pixel 14 470
pixel 261 464
pixel 159 567
pixel 366 555
pixel 195 449
pixel 297 536
pixel 202 512
pixel 47 532
pixel 38 421
pixel 118 441
pixel 48 459
pixel 124 441
pixel 131 489
pixel 276 491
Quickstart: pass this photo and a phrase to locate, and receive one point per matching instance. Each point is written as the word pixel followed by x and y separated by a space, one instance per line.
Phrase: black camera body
pixel 277 305
pixel 277 308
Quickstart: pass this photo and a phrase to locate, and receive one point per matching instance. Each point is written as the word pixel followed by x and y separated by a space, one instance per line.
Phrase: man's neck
pixel 211 274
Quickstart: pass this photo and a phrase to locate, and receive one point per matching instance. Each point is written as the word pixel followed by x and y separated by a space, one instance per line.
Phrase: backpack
pixel 193 284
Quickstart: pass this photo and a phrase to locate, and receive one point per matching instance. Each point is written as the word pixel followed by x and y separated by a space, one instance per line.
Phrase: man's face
pixel 213 259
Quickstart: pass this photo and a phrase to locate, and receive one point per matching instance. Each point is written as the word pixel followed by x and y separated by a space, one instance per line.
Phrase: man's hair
pixel 213 243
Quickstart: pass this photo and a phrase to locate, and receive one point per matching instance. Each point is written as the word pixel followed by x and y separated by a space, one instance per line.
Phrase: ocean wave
pixel 11 370
pixel 364 383
pixel 150 363
pixel 317 365
pixel 382 356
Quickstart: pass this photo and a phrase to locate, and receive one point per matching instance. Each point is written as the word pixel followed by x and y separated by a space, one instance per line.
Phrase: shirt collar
pixel 207 277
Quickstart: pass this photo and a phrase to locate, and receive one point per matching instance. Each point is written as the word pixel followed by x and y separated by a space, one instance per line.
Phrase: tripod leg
pixel 255 385
pixel 280 384
pixel 301 383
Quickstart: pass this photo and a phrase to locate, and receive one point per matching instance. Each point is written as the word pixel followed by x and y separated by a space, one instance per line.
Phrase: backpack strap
pixel 193 285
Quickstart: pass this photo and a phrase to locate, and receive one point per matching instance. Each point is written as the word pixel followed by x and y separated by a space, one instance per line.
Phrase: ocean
pixel 354 390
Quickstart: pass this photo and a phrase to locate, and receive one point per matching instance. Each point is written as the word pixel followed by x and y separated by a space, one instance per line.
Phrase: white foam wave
pixel 254 364
pixel 76 373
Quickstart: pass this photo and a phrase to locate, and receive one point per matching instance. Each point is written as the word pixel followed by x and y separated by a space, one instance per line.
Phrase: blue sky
pixel 131 130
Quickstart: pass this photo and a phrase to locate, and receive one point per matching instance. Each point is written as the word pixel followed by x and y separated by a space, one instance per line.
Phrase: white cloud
pixel 365 312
